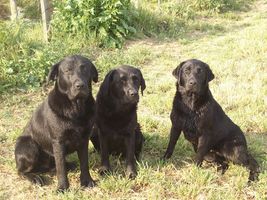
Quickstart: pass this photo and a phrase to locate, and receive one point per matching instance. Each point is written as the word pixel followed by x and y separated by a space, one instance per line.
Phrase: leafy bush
pixel 24 58
pixel 31 8
pixel 106 20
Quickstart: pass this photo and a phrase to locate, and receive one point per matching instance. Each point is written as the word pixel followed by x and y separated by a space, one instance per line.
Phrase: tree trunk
pixel 13 8
pixel 45 6
pixel 136 3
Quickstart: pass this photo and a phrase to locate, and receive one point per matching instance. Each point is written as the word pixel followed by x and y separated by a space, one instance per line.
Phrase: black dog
pixel 116 118
pixel 61 124
pixel 203 122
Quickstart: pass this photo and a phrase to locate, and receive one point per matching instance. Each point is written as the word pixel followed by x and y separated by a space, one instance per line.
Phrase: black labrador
pixel 117 130
pixel 61 124
pixel 195 112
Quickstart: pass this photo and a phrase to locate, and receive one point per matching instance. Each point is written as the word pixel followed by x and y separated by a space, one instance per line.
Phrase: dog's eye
pixel 123 80
pixel 135 78
pixel 187 71
pixel 67 70
pixel 199 70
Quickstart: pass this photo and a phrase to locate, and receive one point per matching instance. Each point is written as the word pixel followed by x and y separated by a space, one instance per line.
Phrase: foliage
pixel 24 57
pixel 31 8
pixel 106 20
pixel 80 26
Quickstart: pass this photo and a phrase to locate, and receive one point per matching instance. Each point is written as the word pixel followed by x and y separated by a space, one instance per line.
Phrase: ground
pixel 235 47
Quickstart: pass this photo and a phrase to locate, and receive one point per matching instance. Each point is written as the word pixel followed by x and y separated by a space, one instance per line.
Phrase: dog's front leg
pixel 105 165
pixel 130 159
pixel 174 135
pixel 85 177
pixel 59 154
pixel 202 149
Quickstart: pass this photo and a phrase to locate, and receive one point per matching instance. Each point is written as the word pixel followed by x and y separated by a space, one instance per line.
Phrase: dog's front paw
pixel 198 162
pixel 131 173
pixel 62 187
pixel 88 183
pixel 104 170
pixel 166 156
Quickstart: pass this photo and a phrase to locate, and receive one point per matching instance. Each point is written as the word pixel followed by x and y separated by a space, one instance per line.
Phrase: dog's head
pixel 123 83
pixel 73 76
pixel 193 75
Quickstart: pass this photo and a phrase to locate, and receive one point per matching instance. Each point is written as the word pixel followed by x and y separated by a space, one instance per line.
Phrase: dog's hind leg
pixel 254 168
pixel 27 156
pixel 239 155
pixel 221 162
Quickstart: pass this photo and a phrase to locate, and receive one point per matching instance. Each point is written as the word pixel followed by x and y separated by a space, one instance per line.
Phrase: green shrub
pixel 105 20
pixel 25 59
pixel 31 8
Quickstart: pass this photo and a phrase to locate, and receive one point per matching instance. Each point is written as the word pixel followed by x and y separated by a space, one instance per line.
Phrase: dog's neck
pixel 114 106
pixel 194 101
pixel 66 108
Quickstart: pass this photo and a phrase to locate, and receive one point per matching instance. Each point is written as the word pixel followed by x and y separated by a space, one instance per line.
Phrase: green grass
pixel 235 46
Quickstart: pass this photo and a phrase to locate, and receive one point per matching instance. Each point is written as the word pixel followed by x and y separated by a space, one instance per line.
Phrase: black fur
pixel 117 130
pixel 203 122
pixel 61 124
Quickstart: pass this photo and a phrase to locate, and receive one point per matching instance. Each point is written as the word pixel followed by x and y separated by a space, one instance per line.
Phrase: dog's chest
pixel 73 138
pixel 190 126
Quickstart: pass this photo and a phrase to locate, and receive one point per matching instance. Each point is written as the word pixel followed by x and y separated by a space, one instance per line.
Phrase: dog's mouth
pixel 77 94
pixel 195 89
pixel 131 99
pixel 191 90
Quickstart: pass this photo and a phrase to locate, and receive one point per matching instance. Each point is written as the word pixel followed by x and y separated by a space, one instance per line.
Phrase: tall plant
pixel 106 20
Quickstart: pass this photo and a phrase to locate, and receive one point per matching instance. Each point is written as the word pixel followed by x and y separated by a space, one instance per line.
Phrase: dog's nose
pixel 192 82
pixel 133 93
pixel 79 85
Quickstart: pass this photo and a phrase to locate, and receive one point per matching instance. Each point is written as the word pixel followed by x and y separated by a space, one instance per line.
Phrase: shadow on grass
pixel 151 156
pixel 156 145
pixel 154 149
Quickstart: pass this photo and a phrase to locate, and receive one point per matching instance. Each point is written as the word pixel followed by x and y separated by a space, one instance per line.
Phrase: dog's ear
pixel 177 72
pixel 143 83
pixel 106 83
pixel 53 73
pixel 210 75
pixel 94 72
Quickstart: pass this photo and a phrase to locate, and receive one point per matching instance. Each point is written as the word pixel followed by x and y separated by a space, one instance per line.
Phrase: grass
pixel 235 46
